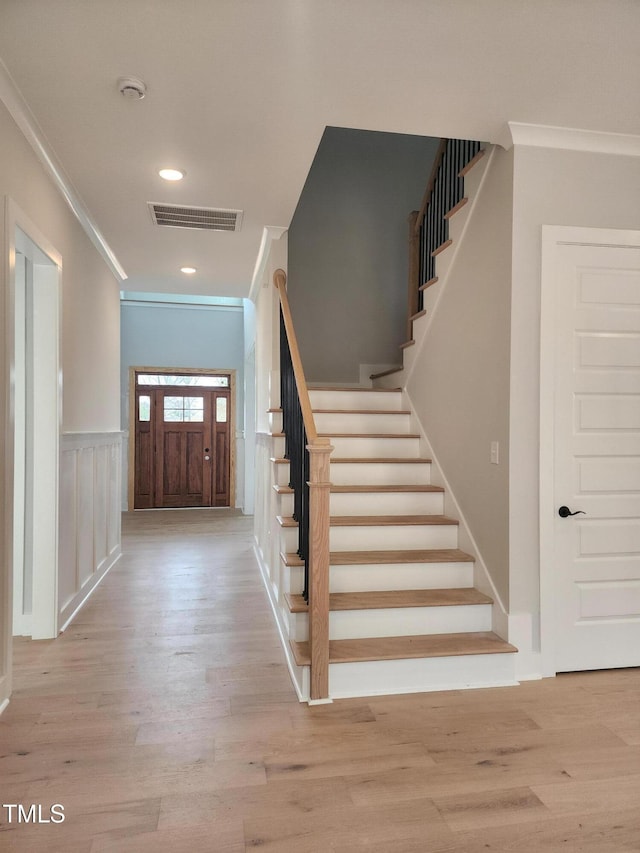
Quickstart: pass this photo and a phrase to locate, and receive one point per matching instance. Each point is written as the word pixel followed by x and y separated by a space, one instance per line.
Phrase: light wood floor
pixel 164 720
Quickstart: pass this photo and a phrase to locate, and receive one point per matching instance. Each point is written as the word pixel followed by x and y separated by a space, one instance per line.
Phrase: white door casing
pixel 41 422
pixel 590 449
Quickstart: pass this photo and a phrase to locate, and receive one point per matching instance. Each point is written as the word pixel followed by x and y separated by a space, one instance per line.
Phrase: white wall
pixel 90 328
pixel 171 335
pixel 459 385
pixel 551 187
pixel 348 254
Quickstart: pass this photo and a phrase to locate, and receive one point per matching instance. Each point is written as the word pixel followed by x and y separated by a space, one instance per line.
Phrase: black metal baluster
pixel 295 450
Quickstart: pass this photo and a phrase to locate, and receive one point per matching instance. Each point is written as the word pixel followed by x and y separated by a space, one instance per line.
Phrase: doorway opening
pixel 180 448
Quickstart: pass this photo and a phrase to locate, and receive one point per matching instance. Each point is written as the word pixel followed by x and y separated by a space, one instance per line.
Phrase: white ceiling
pixel 240 91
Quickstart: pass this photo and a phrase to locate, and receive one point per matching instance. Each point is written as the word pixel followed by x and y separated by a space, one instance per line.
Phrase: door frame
pixel 553 238
pixel 187 371
pixel 46 435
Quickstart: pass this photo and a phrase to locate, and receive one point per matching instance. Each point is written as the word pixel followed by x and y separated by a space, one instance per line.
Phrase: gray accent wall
pixel 348 254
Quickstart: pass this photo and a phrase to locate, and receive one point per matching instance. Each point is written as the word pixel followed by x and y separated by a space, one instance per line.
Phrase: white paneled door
pixel 594 578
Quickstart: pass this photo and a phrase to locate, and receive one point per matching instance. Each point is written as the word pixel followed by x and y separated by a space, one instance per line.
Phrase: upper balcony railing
pixel 429 227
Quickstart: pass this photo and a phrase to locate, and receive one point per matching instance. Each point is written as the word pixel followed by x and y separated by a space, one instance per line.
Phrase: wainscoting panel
pixel 90 470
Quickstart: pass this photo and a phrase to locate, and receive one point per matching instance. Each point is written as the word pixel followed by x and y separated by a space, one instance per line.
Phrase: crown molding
pixel 19 110
pixel 569 139
pixel 269 234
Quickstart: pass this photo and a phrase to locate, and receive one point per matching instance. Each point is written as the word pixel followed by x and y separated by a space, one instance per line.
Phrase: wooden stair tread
pixel 395 598
pixel 386 373
pixel 361 459
pixel 381 558
pixel 441 248
pixel 387 520
pixel 340 489
pixel 418 555
pixel 409 459
pixel 407 344
pixel 352 388
pixel 471 163
pixel 376 520
pixel 427 284
pixel 418 314
pixel 417 646
pixel 450 213
pixel 367 435
pixel 361 412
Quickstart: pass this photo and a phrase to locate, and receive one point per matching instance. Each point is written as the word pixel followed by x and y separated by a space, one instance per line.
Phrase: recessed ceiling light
pixel 172 174
pixel 188 270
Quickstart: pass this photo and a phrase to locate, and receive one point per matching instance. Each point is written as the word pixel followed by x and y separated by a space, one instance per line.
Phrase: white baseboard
pixel 72 607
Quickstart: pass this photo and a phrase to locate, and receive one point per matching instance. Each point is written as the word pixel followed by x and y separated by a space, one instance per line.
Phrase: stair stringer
pixel 466 541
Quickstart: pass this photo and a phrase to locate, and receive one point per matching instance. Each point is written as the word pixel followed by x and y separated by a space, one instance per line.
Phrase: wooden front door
pixel 182 447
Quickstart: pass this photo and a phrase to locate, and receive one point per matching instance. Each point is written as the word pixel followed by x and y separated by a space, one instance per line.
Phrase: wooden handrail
pixel 432 179
pixel 280 282
pixel 319 486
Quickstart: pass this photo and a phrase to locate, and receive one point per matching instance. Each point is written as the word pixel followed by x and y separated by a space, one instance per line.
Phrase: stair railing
pixel 308 457
pixel 429 226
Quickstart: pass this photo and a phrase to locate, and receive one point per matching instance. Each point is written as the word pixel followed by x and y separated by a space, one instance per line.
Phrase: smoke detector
pixel 132 88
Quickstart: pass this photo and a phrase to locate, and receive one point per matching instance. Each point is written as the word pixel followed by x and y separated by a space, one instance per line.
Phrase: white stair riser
pixel 376 503
pixel 288 540
pixel 431 297
pixel 389 537
pixel 386 503
pixel 376 678
pixel 402 576
pixel 399 622
pixel 355 399
pixel 364 448
pixel 285 503
pixel 409 356
pixel 275 421
pixel 281 473
pixel 419 330
pixel 340 422
pixel 379 473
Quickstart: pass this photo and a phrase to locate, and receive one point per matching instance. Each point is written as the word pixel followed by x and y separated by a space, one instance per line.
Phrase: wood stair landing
pixel 396 648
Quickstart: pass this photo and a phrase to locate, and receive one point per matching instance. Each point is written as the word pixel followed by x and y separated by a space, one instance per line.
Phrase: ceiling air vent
pixel 200 218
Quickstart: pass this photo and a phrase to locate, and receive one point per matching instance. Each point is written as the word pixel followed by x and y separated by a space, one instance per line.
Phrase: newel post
pixel 319 493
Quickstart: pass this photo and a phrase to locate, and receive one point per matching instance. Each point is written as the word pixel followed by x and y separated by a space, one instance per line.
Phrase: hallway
pixel 164 720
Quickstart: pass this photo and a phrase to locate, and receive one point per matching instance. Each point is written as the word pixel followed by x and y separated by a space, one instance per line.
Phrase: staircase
pixel 404 613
